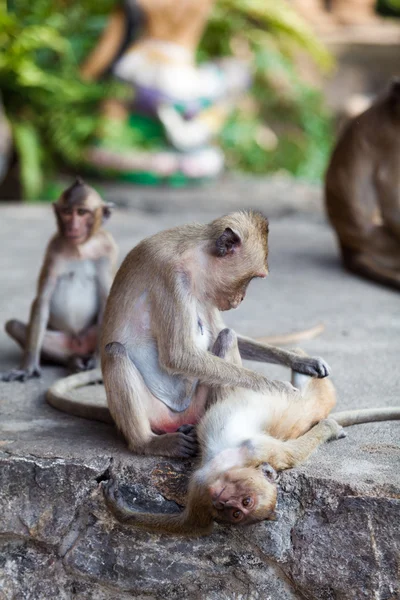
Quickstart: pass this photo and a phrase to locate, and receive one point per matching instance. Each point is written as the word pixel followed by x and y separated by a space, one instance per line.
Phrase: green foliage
pixel 54 115
pixel 271 34
pixel 52 112
pixel 389 7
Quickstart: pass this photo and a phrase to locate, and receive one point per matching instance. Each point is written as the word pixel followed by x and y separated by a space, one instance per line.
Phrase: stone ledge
pixel 337 536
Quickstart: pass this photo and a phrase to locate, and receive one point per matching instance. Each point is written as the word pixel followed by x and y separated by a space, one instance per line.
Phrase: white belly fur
pixel 75 303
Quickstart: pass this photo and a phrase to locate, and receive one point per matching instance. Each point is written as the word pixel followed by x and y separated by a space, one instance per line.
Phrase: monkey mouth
pixel 235 303
pixel 72 235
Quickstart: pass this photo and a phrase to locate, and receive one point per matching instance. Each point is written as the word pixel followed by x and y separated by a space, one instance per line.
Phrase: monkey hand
pixel 314 367
pixel 180 444
pixel 334 431
pixel 21 374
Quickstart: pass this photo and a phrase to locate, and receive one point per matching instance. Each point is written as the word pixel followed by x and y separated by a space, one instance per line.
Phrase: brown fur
pixel 362 190
pixel 244 492
pixel 182 274
pixel 64 254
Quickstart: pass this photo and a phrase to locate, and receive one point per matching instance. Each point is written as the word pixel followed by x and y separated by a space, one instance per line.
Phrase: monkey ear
pixel 269 472
pixel 107 210
pixel 227 242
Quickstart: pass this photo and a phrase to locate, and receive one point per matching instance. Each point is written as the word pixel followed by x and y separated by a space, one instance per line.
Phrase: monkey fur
pixel 72 289
pixel 362 190
pixel 245 437
pixel 161 320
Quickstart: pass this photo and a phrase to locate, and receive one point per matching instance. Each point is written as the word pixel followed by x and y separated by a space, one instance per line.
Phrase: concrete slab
pixel 337 536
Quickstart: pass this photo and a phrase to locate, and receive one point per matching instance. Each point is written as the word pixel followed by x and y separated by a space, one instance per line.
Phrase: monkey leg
pixel 131 404
pixel 388 196
pixel 313 402
pixel 372 266
pixel 58 347
pixel 226 347
pixel 287 454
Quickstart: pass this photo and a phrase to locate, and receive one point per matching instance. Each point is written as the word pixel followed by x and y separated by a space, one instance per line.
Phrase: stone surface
pixel 337 536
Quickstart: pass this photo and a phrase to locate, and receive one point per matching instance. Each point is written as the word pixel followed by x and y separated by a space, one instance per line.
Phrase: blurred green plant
pixel 285 125
pixel 389 8
pixel 54 115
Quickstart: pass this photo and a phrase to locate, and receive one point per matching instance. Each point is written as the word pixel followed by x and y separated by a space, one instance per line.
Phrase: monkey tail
pixel 60 396
pixel 195 519
pixel 292 338
pixel 347 418
pixel 176 524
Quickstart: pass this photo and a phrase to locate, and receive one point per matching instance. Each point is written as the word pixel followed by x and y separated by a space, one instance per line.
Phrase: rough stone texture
pixel 337 536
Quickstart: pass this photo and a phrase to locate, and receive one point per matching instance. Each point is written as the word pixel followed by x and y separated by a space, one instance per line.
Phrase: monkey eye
pixel 66 211
pixel 246 501
pixel 82 211
pixel 237 514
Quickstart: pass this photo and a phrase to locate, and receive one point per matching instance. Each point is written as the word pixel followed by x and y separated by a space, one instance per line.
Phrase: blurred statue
pixel 189 102
pixel 362 190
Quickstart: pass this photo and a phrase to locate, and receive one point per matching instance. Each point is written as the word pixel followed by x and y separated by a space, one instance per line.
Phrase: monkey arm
pixel 179 354
pixel 104 269
pixel 38 319
pixel 212 370
pixel 251 350
pixel 283 455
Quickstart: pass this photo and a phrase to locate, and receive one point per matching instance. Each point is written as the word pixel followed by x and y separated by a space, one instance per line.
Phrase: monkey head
pixel 239 254
pixel 244 495
pixel 80 212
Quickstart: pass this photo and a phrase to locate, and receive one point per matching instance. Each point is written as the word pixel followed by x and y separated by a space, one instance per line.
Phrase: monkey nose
pixel 218 504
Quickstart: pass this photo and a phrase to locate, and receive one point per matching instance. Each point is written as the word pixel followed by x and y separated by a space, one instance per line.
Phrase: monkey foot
pixel 187 429
pixel 20 374
pixel 314 367
pixel 177 445
pixel 336 431
pixel 77 363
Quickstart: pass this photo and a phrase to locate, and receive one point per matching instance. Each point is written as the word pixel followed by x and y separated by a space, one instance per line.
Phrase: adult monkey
pixel 362 190
pixel 162 318
pixel 245 437
pixel 72 289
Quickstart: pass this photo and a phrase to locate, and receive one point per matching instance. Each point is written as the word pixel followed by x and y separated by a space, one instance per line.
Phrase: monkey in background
pixel 245 437
pixel 362 190
pixel 73 285
pixel 162 319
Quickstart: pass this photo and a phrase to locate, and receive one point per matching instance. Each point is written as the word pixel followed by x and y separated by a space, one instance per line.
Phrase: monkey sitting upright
pixel 362 190
pixel 72 289
pixel 162 319
pixel 245 437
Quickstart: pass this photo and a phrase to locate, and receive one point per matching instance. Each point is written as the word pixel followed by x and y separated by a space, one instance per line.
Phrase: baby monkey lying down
pixel 245 438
